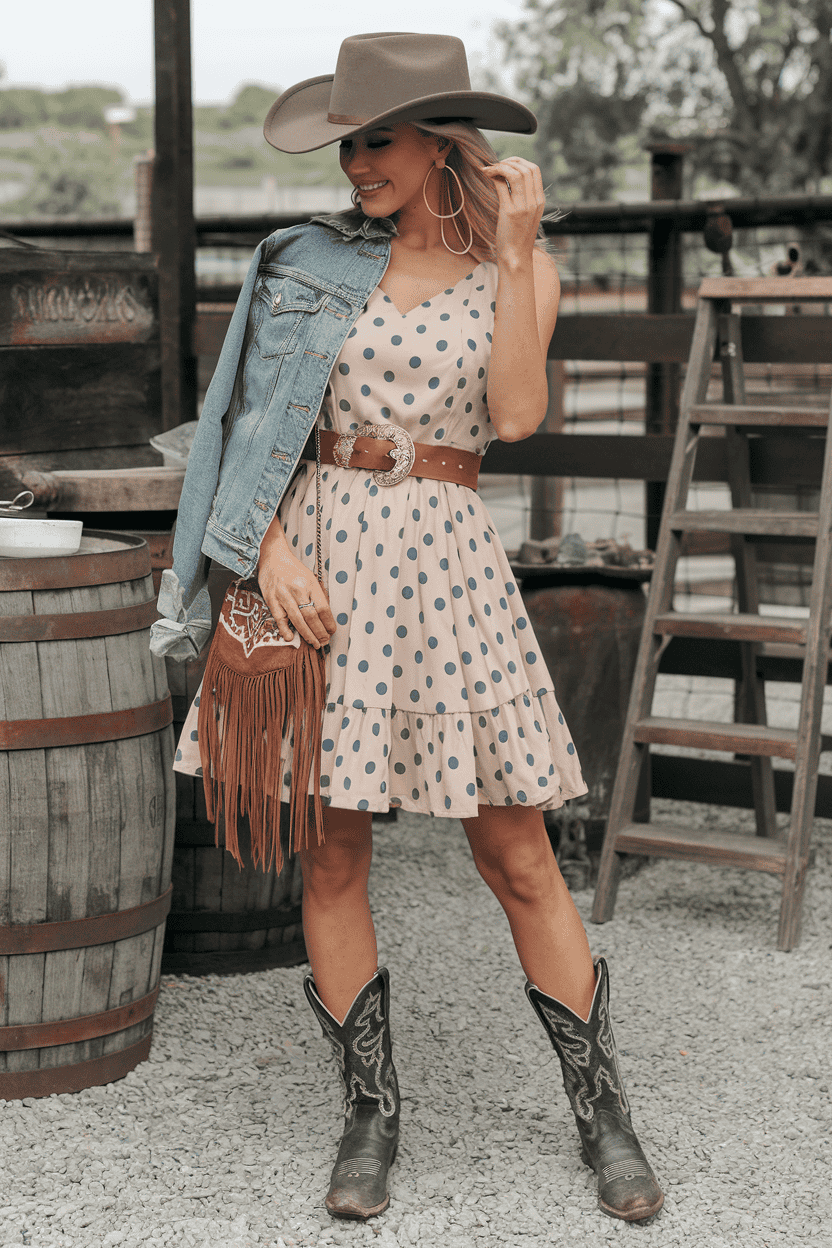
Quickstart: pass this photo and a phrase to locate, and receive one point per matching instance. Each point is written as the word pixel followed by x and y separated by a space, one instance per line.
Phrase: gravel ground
pixel 226 1135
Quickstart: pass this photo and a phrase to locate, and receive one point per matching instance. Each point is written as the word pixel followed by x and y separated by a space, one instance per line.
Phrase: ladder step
pixel 750 521
pixel 703 734
pixel 733 627
pixel 780 417
pixel 756 853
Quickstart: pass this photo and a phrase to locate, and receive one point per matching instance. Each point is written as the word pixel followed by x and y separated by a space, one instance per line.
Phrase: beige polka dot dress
pixel 438 697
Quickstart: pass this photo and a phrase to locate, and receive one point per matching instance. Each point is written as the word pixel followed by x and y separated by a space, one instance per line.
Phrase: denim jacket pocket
pixel 280 308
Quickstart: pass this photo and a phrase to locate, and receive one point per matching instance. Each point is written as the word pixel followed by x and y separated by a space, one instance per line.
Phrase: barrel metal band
pixel 14 1085
pixel 48 734
pixel 100 929
pixel 131 562
pixel 233 920
pixel 76 1030
pixel 74 626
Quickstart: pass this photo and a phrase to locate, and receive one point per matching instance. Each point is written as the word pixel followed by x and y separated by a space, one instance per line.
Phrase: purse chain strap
pixel 318 556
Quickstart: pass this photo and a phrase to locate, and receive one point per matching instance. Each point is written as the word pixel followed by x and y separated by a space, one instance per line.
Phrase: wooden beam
pixel 174 234
pixel 667 338
pixel 125 489
pixel 625 338
pixel 774 289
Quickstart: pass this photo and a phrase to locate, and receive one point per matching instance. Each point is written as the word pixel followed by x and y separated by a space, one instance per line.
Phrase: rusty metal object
pixel 85 624
pixel 47 734
pixel 589 631
pixel 15 1085
pixel 76 1030
pixel 101 929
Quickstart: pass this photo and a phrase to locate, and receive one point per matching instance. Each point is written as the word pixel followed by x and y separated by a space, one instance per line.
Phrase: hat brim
pixel 298 120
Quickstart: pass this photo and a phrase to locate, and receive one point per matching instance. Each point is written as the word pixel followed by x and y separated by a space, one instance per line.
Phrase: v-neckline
pixel 446 290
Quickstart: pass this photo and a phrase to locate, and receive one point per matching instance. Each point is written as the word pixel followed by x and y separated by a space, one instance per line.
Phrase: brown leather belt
pixel 438 463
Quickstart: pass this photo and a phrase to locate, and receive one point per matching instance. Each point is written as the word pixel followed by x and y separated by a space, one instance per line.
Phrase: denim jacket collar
pixel 352 222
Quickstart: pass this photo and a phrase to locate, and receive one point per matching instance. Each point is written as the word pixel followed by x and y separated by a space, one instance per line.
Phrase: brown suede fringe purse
pixel 257 687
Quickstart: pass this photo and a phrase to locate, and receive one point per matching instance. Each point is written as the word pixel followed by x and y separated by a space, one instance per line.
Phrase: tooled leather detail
pixel 584 1082
pixel 366 1069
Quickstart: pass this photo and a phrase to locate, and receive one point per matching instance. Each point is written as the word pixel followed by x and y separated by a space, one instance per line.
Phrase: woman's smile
pixel 368 188
pixel 389 164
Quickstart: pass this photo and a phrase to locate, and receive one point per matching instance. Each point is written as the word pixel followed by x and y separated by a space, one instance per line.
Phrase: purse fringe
pixel 242 723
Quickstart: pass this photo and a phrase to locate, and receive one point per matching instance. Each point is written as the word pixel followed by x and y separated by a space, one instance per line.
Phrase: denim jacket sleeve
pixel 184 603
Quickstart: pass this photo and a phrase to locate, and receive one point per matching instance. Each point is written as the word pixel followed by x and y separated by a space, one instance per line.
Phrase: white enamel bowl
pixel 38 539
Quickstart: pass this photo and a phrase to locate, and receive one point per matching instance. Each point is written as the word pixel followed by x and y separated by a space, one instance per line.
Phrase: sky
pixel 52 43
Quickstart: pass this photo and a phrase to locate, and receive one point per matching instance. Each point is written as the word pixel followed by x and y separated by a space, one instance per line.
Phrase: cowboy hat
pixel 382 79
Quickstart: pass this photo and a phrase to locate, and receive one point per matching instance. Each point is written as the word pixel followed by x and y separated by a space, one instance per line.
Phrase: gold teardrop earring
pixel 445 216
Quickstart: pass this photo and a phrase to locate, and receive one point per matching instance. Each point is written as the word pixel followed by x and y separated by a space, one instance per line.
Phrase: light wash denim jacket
pixel 305 289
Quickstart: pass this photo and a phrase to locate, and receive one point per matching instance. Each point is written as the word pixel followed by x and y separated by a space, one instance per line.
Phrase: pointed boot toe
pixel 358 1188
pixel 627 1188
pixel 363 1051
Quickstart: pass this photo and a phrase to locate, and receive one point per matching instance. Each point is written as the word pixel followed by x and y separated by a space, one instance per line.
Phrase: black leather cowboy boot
pixel 627 1187
pixel 363 1051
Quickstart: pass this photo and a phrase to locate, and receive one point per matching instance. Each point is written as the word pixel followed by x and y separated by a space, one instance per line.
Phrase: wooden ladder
pixel 717 334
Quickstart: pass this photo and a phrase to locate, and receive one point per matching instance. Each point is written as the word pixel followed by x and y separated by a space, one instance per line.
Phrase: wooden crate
pixel 79 360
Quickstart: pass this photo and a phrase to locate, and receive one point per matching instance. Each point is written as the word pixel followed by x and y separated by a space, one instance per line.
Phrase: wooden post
pixel 664 294
pixel 174 238
pixel 143 220
pixel 546 508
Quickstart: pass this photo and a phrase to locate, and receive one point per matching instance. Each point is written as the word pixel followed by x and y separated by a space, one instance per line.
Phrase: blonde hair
pixel 469 152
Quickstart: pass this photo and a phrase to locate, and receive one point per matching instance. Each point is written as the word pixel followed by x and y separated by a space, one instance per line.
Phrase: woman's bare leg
pixel 337 924
pixel 341 943
pixel 512 853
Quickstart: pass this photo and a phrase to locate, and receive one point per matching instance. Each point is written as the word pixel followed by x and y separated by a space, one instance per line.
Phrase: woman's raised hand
pixel 292 592
pixel 522 203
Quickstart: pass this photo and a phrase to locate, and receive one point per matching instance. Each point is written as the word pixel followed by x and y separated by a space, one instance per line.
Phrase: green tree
pixel 749 80
pixel 249 106
pixel 72 178
pixel 23 108
pixel 82 107
pixel 76 108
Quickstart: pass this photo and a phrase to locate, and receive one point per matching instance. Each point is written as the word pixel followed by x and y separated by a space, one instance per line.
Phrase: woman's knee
pixel 520 867
pixel 341 862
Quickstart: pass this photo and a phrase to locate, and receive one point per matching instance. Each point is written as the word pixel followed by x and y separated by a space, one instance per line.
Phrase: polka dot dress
pixel 438 697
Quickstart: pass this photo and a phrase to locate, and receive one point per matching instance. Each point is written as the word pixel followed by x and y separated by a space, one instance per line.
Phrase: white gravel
pixel 226 1135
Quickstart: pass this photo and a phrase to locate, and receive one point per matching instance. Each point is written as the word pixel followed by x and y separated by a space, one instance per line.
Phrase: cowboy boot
pixel 363 1051
pixel 627 1187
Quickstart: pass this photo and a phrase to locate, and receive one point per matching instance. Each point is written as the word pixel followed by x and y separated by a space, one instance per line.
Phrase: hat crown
pixel 377 73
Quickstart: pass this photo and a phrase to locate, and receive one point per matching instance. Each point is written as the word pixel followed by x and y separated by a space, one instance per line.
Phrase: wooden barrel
pixel 223 919
pixel 86 816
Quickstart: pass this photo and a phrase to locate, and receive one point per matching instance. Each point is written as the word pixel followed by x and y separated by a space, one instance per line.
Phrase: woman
pixel 438 700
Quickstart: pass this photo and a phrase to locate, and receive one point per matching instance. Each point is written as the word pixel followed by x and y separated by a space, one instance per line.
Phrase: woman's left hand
pixel 522 203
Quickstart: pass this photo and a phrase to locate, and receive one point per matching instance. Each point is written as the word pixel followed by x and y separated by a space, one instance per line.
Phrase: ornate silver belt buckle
pixel 403 453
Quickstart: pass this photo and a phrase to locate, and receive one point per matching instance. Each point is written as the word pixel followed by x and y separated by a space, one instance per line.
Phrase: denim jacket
pixel 305 289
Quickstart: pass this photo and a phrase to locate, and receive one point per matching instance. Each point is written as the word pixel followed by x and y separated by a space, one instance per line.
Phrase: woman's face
pixel 388 166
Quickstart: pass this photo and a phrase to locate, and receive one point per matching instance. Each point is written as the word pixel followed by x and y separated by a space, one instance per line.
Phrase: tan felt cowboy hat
pixel 383 79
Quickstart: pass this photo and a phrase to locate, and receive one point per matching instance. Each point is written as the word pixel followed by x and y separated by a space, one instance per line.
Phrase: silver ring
pixel 303 605
pixel 508 185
